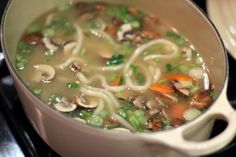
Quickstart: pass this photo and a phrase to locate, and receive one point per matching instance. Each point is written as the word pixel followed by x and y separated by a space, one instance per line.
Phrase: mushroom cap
pixel 93 103
pixel 44 73
pixel 121 130
pixel 65 106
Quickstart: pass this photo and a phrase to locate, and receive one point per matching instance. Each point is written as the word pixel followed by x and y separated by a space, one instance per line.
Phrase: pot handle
pixel 177 141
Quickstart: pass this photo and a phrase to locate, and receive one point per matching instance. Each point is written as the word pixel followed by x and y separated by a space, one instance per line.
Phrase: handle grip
pixel 174 139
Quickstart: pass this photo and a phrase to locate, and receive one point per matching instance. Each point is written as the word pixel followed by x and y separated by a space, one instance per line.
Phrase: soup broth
pixel 114 67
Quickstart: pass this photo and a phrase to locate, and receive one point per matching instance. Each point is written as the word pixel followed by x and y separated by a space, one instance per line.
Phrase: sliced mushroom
pixel 140 101
pixel 82 102
pixel 58 41
pixel 44 73
pixel 201 100
pixel 65 106
pixel 177 122
pixel 33 38
pixel 49 45
pixel 124 29
pixel 121 130
pixel 79 119
pixel 153 107
pixel 154 124
pixel 182 87
pixel 68 48
pixel 75 67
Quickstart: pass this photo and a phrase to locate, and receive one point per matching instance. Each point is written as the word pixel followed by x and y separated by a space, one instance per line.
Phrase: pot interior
pixel 180 14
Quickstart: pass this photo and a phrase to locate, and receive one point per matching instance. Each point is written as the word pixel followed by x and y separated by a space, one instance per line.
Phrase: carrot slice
pixel 177 111
pixel 111 30
pixel 178 77
pixel 161 88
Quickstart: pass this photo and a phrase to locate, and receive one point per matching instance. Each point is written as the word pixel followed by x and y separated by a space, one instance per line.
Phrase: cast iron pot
pixel 73 139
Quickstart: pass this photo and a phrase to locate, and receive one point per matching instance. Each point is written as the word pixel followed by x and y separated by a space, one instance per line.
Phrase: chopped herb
pixel 176 38
pixel 85 114
pixel 59 24
pixel 48 31
pixel 72 85
pixel 115 60
pixel 33 28
pixel 213 94
pixel 121 80
pixel 93 24
pixel 20 62
pixel 55 98
pixel 126 48
pixel 167 122
pixel 24 47
pixel 147 52
pixel 83 51
pixel 157 59
pixel 170 68
pixel 136 24
pixel 64 7
pixel 140 78
pixel 104 114
pixel 95 120
pixel 134 68
pixel 89 61
pixel 38 91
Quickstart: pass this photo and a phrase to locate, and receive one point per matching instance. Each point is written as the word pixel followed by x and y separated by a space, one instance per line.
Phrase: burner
pixel 18 138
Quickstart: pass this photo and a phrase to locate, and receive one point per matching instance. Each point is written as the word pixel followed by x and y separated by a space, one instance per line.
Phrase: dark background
pixel 18 139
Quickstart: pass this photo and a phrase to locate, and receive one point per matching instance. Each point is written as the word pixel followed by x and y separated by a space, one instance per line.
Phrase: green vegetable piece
pixel 25 48
pixel 134 68
pixel 85 114
pixel 191 114
pixel 167 122
pixel 103 114
pixel 213 94
pixel 140 78
pixel 115 60
pixel 176 38
pixel 55 98
pixel 123 114
pixel 21 63
pixel 95 120
pixel 136 24
pixel 48 31
pixel 140 15
pixel 134 121
pixel 38 91
pixel 170 68
pixel 72 85
pixel 64 7
pixel 139 112
pixel 33 28
pixel 122 79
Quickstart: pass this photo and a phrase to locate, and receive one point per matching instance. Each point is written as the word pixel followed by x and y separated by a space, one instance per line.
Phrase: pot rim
pixel 103 132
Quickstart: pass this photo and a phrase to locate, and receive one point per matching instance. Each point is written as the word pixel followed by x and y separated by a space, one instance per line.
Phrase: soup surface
pixel 114 67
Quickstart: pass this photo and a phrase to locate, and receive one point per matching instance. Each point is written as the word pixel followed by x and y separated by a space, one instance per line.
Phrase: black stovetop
pixel 18 139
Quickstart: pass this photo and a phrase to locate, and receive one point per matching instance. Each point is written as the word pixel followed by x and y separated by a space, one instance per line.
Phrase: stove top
pixel 18 138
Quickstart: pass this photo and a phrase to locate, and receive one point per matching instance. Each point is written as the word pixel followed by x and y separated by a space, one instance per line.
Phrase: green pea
pixel 38 91
pixel 72 85
pixel 33 28
pixel 95 120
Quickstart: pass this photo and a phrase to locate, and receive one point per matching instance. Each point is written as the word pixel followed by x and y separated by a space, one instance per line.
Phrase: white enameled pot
pixel 74 139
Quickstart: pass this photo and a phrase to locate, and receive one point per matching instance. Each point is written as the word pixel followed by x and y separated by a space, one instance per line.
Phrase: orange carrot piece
pixel 116 82
pixel 133 11
pixel 161 88
pixel 178 77
pixel 111 30
pixel 177 111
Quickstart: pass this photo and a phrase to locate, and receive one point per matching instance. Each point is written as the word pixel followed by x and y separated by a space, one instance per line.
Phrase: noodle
pixel 69 61
pixel 123 122
pixel 103 81
pixel 158 41
pixel 79 40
